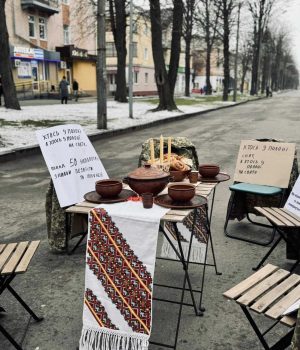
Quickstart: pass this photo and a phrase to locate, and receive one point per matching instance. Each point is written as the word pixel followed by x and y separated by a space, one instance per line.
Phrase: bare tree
pixel 166 80
pixel 188 25
pixel 260 11
pixel 208 16
pixel 9 89
pixel 226 14
pixel 245 57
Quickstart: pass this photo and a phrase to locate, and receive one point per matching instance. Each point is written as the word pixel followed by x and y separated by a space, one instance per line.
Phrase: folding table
pixel 174 217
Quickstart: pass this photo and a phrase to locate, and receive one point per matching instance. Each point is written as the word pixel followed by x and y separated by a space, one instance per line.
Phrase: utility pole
pixel 101 67
pixel 237 52
pixel 130 65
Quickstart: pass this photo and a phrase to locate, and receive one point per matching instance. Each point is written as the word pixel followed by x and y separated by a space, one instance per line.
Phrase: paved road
pixel 54 284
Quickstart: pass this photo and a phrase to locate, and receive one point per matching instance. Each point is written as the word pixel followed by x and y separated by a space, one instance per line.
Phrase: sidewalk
pixel 17 132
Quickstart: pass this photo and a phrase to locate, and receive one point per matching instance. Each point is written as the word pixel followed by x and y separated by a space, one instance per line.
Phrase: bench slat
pixel 14 259
pixel 2 247
pixel 249 282
pixel 263 303
pixel 287 216
pixel 78 210
pixel 276 310
pixel 173 218
pixel 289 321
pixel 280 217
pixel 6 254
pixel 292 215
pixel 262 287
pixel 269 216
pixel 23 264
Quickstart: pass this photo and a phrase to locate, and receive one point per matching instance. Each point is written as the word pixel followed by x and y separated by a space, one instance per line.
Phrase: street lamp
pixel 237 52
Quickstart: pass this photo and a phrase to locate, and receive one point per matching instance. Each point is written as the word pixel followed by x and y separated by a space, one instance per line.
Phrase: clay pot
pixel 147 179
pixel 108 188
pixel 182 192
pixel 209 170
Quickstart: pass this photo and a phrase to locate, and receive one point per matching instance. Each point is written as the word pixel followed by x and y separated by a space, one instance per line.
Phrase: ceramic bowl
pixel 108 188
pixel 209 170
pixel 178 175
pixel 181 192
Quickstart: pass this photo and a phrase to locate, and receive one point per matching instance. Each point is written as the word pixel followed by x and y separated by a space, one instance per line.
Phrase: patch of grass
pixel 4 122
pixel 41 123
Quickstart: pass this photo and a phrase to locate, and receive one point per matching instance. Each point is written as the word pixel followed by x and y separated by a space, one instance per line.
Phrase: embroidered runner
pixel 120 263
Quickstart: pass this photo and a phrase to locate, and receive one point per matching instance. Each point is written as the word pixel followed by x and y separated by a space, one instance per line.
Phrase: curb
pixel 35 150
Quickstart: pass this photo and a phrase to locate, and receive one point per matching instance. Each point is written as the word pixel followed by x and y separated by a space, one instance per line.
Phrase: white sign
pixel 293 202
pixel 71 160
pixel 265 163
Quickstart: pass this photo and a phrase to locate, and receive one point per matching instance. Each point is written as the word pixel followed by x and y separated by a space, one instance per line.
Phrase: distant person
pixel 64 90
pixel 75 89
pixel 268 91
pixel 1 90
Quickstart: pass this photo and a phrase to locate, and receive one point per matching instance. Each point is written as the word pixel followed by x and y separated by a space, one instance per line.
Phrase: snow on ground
pixel 17 129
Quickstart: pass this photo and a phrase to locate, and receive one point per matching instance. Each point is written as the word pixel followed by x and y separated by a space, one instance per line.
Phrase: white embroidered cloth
pixel 120 263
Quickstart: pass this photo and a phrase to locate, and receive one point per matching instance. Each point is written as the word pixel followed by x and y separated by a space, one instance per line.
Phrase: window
pixel 31 23
pixel 134 27
pixel 111 49
pixel 66 35
pixel 136 77
pixel 134 49
pixel 145 54
pixel 42 28
pixel 146 30
pixel 146 78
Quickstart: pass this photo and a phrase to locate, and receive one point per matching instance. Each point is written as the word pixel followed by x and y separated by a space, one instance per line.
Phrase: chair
pixel 284 221
pixel 14 260
pixel 268 292
pixel 246 195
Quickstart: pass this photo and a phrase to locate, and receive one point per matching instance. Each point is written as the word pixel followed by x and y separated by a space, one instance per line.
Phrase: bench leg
pixel 284 342
pixel 255 328
pixel 10 338
pixel 22 302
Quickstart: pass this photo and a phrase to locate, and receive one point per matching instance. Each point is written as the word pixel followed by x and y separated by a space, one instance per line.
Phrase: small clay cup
pixel 209 170
pixel 193 177
pixel 147 199
pixel 108 188
pixel 181 192
pixel 177 175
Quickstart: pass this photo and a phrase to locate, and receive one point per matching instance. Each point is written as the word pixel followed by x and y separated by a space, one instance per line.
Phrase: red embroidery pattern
pixel 124 278
pixel 98 310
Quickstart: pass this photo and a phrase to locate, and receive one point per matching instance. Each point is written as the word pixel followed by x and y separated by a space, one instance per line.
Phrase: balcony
pixel 49 6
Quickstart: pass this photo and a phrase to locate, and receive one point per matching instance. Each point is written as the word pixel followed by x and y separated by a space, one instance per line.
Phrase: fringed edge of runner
pixel 197 253
pixel 104 339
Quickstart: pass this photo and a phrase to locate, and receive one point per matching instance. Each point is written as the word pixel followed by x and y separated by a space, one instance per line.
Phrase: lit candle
pixel 161 153
pixel 152 151
pixel 169 149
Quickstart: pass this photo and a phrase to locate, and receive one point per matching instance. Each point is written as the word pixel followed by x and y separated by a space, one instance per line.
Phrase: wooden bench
pixel 269 292
pixel 14 260
pixel 282 220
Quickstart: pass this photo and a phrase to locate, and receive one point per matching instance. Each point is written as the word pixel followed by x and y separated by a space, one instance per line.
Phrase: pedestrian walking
pixel 75 89
pixel 64 90
pixel 1 90
pixel 268 91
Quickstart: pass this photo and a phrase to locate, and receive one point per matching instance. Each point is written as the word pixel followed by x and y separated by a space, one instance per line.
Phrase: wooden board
pixel 251 281
pixel 287 216
pixel 262 287
pixel 14 259
pixel 280 217
pixel 269 216
pixel 2 247
pixel 6 254
pixel 23 264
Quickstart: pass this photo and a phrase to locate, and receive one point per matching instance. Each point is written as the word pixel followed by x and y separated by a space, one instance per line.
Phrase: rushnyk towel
pixel 199 242
pixel 120 260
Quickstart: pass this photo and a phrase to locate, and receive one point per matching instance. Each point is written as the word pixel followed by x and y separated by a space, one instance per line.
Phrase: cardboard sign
pixel 71 160
pixel 265 163
pixel 293 202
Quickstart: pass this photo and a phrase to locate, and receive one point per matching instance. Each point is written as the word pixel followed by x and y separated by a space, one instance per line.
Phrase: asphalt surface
pixel 54 284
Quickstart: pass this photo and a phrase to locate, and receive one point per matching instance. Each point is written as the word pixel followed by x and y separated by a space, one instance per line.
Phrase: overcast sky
pixel 287 16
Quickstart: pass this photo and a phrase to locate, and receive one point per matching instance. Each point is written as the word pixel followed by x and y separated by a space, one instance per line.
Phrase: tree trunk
pixel 187 65
pixel 226 55
pixel 207 72
pixel 176 43
pixel 9 89
pixel 166 99
pixel 118 23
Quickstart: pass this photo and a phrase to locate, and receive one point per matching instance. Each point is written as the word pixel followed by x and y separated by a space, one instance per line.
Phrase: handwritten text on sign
pixel 293 202
pixel 265 163
pixel 71 160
